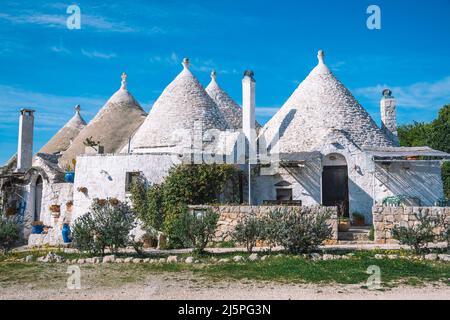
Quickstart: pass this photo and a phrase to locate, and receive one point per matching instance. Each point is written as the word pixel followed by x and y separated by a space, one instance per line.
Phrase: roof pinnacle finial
pixel 185 63
pixel 321 56
pixel 213 75
pixel 124 81
pixel 77 109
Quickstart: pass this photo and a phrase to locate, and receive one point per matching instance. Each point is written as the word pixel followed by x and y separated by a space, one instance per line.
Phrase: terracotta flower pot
pixel 344 226
pixel 54 208
pixel 11 211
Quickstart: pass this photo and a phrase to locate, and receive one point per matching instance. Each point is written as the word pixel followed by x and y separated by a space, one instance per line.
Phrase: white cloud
pixel 98 55
pixel 420 95
pixel 59 49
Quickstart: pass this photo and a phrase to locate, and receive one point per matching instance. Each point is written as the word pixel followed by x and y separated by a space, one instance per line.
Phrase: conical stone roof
pixel 182 105
pixel 231 111
pixel 64 137
pixel 113 125
pixel 319 106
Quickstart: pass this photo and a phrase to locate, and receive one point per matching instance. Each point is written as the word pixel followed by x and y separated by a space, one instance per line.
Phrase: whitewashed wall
pixel 105 176
pixel 306 182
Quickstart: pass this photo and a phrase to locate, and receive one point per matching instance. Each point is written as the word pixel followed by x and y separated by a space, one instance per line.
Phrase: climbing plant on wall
pixel 160 206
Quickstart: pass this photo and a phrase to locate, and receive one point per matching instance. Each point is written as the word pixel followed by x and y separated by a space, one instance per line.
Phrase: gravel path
pixel 186 286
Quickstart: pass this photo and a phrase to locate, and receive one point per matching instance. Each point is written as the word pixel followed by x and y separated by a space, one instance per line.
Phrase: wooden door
pixel 335 188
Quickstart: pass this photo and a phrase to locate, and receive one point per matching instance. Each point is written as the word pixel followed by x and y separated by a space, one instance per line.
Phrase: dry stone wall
pixel 385 218
pixel 230 216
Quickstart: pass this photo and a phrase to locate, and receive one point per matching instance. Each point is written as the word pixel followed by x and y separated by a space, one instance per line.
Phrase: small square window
pixel 284 194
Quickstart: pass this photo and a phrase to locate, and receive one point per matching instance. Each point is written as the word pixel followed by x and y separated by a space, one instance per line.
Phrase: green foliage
pixel 195 230
pixel 414 135
pixel 372 233
pixel 297 230
pixel 301 230
pixel 417 236
pixel 446 178
pixel 107 225
pixel 248 232
pixel 147 203
pixel 163 207
pixel 9 233
pixel 440 133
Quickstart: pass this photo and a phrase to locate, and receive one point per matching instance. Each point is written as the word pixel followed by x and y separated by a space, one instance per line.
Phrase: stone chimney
pixel 388 107
pixel 248 110
pixel 25 145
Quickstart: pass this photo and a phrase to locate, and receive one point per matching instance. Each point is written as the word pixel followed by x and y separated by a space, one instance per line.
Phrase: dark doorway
pixel 335 188
pixel 38 199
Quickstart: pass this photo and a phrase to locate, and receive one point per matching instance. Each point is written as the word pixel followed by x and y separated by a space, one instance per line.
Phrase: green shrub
pixel 248 232
pixel 372 233
pixel 301 230
pixel 195 229
pixel 106 225
pixel 163 206
pixel 417 236
pixel 9 233
pixel 147 203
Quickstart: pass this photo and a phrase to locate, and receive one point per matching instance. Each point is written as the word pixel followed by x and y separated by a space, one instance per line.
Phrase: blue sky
pixel 47 67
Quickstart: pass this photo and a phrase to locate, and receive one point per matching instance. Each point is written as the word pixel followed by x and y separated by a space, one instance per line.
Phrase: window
pixel 284 194
pixel 130 179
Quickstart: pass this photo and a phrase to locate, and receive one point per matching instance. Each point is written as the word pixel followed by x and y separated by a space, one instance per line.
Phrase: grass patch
pixel 284 269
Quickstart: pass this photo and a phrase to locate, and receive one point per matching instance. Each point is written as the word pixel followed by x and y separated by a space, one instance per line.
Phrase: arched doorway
pixel 38 198
pixel 335 183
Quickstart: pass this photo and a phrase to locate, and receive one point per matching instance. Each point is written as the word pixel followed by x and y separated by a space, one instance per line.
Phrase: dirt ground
pixel 187 286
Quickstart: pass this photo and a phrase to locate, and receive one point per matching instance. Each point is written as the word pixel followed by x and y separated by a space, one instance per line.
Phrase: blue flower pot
pixel 66 233
pixel 69 176
pixel 37 229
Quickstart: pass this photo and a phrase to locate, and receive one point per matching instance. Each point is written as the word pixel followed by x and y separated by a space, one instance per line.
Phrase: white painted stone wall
pixel 104 176
pixel 306 182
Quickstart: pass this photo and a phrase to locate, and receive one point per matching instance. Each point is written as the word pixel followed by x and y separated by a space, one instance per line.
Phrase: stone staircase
pixel 355 235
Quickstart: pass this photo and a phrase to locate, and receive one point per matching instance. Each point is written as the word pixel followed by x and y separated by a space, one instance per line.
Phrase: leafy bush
pixel 9 233
pixel 249 231
pixel 195 230
pixel 300 230
pixel 163 206
pixel 107 225
pixel 419 235
pixel 147 203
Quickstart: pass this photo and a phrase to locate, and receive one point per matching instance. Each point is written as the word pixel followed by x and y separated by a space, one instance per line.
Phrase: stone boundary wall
pixel 385 218
pixel 230 216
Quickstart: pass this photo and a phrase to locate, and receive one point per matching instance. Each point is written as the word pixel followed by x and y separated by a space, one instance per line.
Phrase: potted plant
pixel 69 176
pixel 55 210
pixel 358 219
pixel 82 190
pixel 344 224
pixel 69 204
pixel 37 227
pixel 101 202
pixel 114 201
pixel 11 211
